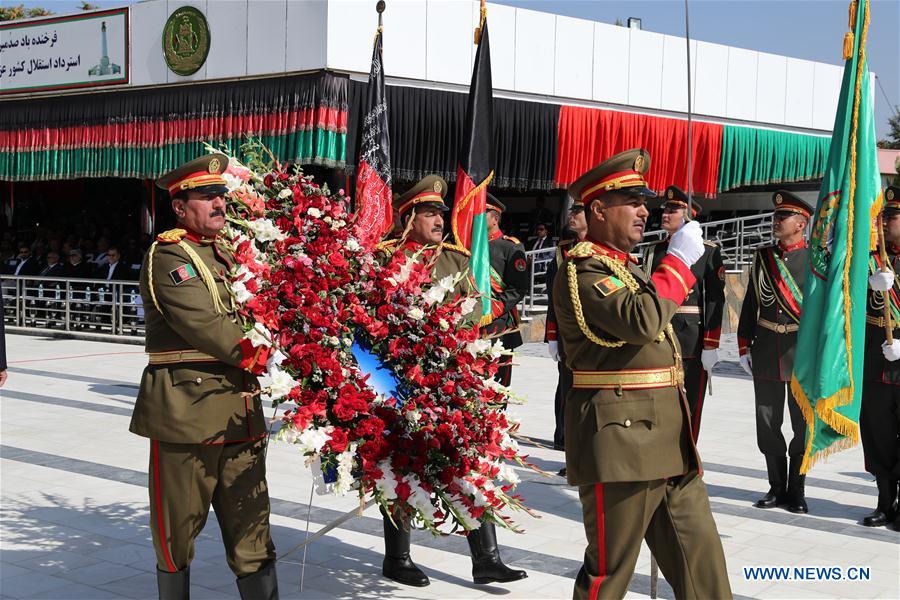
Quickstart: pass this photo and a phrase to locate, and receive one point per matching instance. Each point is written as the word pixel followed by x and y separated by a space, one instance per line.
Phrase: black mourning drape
pixel 426 128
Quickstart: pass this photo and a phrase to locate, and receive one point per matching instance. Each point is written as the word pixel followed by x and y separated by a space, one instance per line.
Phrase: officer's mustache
pixel 217 213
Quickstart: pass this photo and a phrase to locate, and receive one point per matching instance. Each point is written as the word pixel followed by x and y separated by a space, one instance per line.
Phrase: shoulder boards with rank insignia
pixel 608 285
pixel 172 236
pixel 386 245
pixel 185 272
pixel 455 248
pixel 512 239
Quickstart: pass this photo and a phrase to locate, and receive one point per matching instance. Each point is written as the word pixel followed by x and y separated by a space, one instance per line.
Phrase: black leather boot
pixel 174 586
pixel 777 494
pixel 262 585
pixel 397 565
pixel 886 508
pixel 487 567
pixel 797 488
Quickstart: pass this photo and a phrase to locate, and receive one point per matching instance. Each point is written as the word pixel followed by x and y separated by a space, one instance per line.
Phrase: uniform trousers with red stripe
pixel 186 479
pixel 673 515
pixel 695 380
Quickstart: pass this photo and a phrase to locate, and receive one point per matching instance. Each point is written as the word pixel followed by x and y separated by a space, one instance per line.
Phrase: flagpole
pixel 380 9
pixel 690 144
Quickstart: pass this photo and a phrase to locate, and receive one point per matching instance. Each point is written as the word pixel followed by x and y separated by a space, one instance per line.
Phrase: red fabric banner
pixel 587 136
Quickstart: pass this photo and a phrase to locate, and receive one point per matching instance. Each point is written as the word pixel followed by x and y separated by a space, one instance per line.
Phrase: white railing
pixel 73 305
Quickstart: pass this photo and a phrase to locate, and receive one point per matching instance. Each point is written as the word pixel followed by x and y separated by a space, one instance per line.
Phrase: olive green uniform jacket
pixel 622 435
pixel 193 401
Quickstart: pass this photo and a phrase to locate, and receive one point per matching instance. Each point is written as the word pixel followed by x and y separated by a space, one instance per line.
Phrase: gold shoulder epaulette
pixel 386 245
pixel 514 240
pixel 582 250
pixel 172 236
pixel 456 248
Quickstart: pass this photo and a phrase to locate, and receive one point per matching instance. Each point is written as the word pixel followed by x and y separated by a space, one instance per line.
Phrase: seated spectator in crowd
pixel 542 238
pixel 24 263
pixel 76 268
pixel 53 268
pixel 87 249
pixel 132 254
pixel 115 269
pixel 100 257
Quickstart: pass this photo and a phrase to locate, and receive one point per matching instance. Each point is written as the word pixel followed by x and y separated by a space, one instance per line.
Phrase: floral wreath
pixel 391 388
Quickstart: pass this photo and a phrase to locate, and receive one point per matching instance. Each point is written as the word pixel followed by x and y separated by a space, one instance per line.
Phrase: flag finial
pixel 848 37
pixel 481 22
pixel 379 8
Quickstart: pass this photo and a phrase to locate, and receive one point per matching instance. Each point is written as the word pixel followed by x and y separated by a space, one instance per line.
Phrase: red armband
pixel 711 339
pixel 673 279
pixel 255 357
pixel 551 331
pixel 743 346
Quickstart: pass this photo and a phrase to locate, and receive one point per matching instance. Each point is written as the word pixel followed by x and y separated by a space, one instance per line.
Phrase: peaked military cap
pixel 202 175
pixel 676 197
pixel 623 173
pixel 787 202
pixel 494 204
pixel 892 199
pixel 428 193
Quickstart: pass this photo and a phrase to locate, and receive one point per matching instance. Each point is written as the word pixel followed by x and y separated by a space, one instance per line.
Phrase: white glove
pixel 687 243
pixel 746 364
pixel 709 358
pixel 891 351
pixel 553 350
pixel 881 281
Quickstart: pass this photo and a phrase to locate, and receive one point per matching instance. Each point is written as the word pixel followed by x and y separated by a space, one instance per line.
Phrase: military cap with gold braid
pixel 203 175
pixel 622 173
pixel 892 199
pixel 428 193
pixel 787 202
pixel 493 204
pixel 676 198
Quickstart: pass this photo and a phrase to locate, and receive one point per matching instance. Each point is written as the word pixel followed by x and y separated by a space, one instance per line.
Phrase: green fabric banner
pixel 827 379
pixel 753 156
pixel 316 146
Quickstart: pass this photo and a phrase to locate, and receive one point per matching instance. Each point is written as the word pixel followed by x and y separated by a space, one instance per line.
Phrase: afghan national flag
pixel 474 173
pixel 373 177
pixel 827 379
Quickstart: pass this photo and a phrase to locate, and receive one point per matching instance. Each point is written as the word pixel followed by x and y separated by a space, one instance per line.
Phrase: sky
pixel 808 29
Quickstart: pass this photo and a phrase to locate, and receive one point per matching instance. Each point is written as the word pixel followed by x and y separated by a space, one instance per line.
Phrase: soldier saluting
pixel 767 338
pixel 880 416
pixel 197 401
pixel 698 321
pixel 628 441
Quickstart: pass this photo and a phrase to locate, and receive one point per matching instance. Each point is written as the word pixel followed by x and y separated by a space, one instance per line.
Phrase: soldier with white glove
pixel 698 321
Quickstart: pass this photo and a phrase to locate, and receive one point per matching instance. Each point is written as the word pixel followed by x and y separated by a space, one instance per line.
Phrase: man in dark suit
pixel 542 238
pixel 53 267
pixel 24 264
pixel 114 269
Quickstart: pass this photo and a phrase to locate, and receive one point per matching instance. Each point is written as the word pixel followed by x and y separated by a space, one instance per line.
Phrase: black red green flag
pixel 475 171
pixel 374 215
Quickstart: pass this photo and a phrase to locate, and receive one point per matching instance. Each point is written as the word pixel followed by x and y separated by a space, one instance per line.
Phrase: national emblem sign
pixel 186 40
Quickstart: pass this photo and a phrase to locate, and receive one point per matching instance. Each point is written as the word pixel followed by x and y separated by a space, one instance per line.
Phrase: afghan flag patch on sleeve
pixel 185 272
pixel 608 285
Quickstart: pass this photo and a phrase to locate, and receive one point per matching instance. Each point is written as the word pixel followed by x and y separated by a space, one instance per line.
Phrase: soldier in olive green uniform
pixel 879 420
pixel 628 441
pixel 421 211
pixel 698 321
pixel 509 284
pixel 196 404
pixel 767 339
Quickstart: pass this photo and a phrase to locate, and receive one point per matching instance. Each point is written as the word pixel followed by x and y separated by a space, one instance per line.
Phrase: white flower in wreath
pixel 281 383
pixel 413 416
pixel 259 335
pixel 479 346
pixel 314 212
pixel 443 324
pixel 232 182
pixel 386 485
pixel 264 230
pixel 312 440
pixel 240 292
pixel 416 313
pixel 439 290
pixel 345 478
pixel 507 473
pixel 285 193
pixel 467 305
pixel 352 245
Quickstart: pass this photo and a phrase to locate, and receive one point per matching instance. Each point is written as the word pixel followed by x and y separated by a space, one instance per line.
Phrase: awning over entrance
pixel 145 133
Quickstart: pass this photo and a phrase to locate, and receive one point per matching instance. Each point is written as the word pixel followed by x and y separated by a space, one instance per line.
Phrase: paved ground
pixel 74 500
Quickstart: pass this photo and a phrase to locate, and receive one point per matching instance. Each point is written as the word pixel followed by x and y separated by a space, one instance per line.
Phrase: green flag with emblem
pixel 827 378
